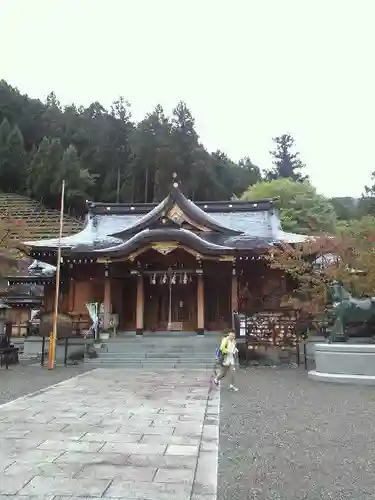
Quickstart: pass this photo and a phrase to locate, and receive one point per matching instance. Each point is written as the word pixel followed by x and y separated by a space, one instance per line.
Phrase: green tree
pixel 13 159
pixel 107 155
pixel 224 173
pixel 78 181
pixel 357 227
pixel 129 162
pixel 302 209
pixel 152 166
pixel 354 250
pixel 184 141
pixel 198 171
pixel 246 174
pixel 43 170
pixel 53 118
pixel 346 207
pixel 50 166
pixel 5 130
pixel 367 202
pixel 203 184
pixel 286 161
pixel 121 127
pixel 228 178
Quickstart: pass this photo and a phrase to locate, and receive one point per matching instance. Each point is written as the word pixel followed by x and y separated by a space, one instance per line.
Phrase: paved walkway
pixel 113 434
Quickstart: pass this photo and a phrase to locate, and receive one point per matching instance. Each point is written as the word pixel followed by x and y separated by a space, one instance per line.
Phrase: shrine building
pixel 176 265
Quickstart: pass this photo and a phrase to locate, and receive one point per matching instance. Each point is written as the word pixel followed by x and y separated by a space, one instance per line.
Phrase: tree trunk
pixel 156 185
pixel 133 188
pixel 118 185
pixel 146 185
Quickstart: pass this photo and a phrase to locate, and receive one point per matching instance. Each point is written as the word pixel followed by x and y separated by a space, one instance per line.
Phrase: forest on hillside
pixel 104 155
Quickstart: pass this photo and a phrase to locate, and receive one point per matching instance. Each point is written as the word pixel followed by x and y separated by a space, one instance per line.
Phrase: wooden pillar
pixel 234 295
pixel 140 306
pixel 107 303
pixel 234 292
pixel 71 296
pixel 200 305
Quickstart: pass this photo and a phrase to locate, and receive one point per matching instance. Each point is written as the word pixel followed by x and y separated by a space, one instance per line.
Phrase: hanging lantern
pixel 164 279
pixel 185 280
pixel 153 279
pixel 173 279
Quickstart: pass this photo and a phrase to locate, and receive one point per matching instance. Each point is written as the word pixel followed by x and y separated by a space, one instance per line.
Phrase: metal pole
pixel 66 352
pixel 52 341
pixel 43 347
pixel 298 352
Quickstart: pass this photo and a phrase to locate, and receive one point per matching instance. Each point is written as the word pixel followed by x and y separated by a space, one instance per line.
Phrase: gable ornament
pixel 164 248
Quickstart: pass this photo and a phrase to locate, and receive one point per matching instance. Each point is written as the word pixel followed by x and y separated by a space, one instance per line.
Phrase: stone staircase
pixel 158 350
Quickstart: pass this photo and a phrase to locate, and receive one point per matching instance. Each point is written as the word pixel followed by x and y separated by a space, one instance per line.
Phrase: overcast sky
pixel 248 70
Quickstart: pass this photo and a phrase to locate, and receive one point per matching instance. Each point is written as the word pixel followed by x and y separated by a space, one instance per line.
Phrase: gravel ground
pixel 287 437
pixel 27 377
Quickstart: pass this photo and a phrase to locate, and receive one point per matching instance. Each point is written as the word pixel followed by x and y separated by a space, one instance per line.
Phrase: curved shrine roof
pixel 207 227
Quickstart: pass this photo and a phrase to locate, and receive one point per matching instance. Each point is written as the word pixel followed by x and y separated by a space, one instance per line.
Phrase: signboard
pixel 240 325
pixel 242 328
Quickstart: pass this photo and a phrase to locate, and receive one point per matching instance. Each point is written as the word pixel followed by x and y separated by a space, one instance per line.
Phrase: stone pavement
pixel 113 433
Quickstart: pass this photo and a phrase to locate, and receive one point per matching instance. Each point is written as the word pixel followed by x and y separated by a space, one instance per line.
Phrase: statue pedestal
pixel 344 363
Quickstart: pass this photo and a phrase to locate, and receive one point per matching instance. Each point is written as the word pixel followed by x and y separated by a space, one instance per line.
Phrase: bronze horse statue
pixel 351 314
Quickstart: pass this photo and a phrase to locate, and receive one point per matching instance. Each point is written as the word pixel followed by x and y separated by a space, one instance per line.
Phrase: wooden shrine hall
pixel 176 265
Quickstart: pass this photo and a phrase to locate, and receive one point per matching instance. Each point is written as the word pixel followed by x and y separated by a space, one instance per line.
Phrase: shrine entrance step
pixel 159 350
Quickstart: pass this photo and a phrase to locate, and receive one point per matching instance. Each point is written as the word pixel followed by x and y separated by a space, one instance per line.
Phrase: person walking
pixel 228 353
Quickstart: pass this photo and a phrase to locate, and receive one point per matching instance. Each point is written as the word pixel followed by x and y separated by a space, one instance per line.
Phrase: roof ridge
pixel 206 206
pixel 160 212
